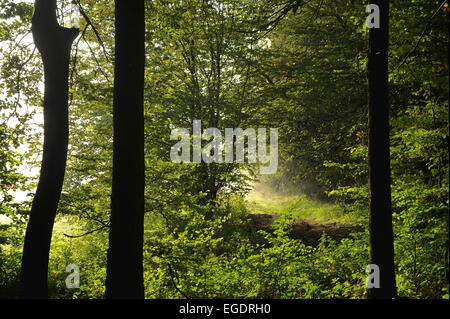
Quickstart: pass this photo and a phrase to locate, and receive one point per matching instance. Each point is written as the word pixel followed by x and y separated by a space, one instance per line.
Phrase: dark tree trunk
pixel 124 269
pixel 381 234
pixel 54 43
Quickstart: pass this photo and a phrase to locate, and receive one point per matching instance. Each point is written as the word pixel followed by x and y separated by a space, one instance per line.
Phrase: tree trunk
pixel 54 43
pixel 124 267
pixel 381 234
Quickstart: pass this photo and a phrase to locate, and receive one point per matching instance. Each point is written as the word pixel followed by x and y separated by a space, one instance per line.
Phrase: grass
pixel 262 200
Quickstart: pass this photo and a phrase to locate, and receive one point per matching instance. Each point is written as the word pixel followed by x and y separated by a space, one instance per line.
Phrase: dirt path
pixel 309 232
pixel 313 218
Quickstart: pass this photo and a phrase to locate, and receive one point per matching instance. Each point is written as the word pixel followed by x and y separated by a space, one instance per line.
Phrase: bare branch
pixel 422 35
pixel 88 21
pixel 87 233
pixel 173 282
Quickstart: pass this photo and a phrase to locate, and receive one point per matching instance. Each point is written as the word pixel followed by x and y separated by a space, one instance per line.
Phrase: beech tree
pixel 124 265
pixel 380 221
pixel 54 44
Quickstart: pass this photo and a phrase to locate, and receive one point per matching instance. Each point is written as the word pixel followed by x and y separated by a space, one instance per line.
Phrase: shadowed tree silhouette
pixel 124 266
pixel 380 225
pixel 54 43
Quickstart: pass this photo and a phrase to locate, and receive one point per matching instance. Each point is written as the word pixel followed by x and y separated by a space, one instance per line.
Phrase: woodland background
pixel 242 64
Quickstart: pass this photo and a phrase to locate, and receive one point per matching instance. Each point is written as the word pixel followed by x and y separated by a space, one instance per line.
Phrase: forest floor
pixel 312 218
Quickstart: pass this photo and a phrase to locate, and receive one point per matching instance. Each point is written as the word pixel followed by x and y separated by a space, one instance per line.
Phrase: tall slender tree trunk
pixel 381 234
pixel 54 43
pixel 124 267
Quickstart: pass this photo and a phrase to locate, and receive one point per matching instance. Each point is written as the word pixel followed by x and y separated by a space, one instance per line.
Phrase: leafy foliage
pixel 244 63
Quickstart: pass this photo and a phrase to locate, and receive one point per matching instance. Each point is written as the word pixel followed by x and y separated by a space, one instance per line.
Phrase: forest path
pixel 313 218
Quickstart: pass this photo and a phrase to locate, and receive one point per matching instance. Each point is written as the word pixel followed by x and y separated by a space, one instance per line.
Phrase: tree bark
pixel 124 266
pixel 380 225
pixel 54 44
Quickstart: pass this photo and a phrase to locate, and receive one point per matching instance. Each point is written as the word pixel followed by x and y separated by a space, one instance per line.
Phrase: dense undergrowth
pixel 222 258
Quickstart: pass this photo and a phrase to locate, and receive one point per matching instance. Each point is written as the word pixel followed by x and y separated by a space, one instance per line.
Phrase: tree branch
pixel 422 35
pixel 87 233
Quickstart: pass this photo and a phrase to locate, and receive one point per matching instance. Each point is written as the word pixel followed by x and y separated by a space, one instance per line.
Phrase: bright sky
pixel 35 123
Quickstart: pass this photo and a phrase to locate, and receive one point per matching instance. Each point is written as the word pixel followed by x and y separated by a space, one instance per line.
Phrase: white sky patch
pixel 34 124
